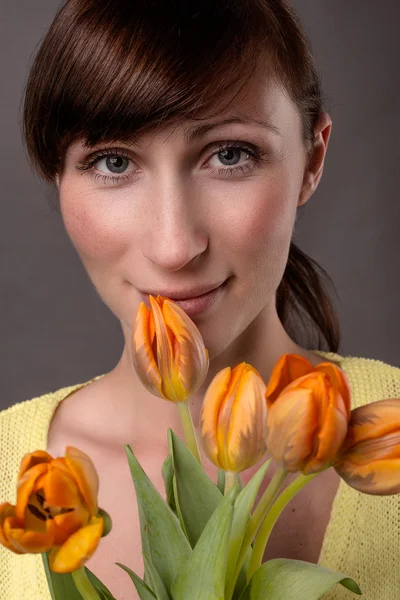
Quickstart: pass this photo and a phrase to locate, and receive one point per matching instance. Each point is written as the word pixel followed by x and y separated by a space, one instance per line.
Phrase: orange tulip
pixel 233 418
pixel 369 459
pixel 56 510
pixel 168 351
pixel 308 413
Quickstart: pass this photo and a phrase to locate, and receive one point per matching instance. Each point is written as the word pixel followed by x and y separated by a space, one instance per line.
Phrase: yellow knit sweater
pixel 362 539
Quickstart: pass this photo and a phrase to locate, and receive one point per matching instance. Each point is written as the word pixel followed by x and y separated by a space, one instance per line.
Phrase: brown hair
pixel 110 70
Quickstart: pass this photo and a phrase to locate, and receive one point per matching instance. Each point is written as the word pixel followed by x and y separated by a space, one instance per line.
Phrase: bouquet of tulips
pixel 206 541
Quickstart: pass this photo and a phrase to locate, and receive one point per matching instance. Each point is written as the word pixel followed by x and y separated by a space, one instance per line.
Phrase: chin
pixel 217 333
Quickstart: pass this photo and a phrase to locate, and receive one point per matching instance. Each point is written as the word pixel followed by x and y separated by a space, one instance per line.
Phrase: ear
pixel 316 157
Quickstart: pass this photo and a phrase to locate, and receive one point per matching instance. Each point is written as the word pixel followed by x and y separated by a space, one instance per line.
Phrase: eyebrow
pixel 199 131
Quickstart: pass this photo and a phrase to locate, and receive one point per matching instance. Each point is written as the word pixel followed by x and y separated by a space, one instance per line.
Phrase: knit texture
pixel 362 539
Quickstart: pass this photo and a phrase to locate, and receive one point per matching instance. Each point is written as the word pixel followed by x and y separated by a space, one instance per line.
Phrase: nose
pixel 175 235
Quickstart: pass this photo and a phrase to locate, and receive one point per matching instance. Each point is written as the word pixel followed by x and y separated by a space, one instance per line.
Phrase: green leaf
pixel 144 536
pixel 241 581
pixel 167 471
pixel 142 589
pixel 162 537
pixel 203 576
pixel 103 595
pixel 178 508
pixel 99 585
pixel 241 515
pixel 61 585
pixel 198 496
pixel 287 579
pixel 156 582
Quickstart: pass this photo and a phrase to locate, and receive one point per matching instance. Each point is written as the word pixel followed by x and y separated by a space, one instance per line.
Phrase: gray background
pixel 55 331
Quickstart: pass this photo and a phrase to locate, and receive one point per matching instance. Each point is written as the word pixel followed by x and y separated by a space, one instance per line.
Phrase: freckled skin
pixel 178 222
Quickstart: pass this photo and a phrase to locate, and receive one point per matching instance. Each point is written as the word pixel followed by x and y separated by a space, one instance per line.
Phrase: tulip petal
pixel 246 437
pixel 39 483
pixel 61 464
pixel 233 418
pixel 191 356
pixel 291 424
pixel 85 475
pixel 65 524
pixel 373 420
pixel 318 440
pixel 60 489
pixel 78 548
pixel 333 390
pixel 25 487
pixel 211 407
pixel 288 368
pixel 315 382
pixel 328 440
pixel 33 458
pixel 235 385
pixel 143 355
pixel 374 449
pixel 369 459
pixel 381 477
pixel 35 516
pixel 340 382
pixel 167 350
pixel 30 542
pixel 7 511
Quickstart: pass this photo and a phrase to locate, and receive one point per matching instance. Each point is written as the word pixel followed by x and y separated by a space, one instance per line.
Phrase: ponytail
pixel 302 293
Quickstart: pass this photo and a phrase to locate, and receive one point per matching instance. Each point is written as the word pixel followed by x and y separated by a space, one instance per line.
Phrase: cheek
pixel 98 233
pixel 261 232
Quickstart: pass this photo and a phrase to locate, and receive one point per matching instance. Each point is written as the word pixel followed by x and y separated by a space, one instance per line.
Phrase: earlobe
pixel 315 163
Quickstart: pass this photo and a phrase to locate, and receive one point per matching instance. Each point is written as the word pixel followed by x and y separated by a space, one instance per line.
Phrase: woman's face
pixel 175 211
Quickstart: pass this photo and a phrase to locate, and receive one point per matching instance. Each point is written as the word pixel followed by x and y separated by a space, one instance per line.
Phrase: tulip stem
pixel 83 585
pixel 254 523
pixel 265 530
pixel 231 479
pixel 188 429
pixel 221 480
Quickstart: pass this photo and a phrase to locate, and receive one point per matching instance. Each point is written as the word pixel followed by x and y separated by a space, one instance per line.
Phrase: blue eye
pixel 230 154
pixel 117 162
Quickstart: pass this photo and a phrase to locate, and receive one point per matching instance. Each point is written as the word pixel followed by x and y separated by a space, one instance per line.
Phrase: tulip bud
pixel 308 413
pixel 369 459
pixel 56 510
pixel 168 351
pixel 233 418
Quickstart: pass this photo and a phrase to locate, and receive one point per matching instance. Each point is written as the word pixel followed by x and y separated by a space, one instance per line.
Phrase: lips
pixel 193 305
pixel 189 294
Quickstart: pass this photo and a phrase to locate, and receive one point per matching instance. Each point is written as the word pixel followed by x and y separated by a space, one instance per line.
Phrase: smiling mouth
pixel 189 294
pixel 194 305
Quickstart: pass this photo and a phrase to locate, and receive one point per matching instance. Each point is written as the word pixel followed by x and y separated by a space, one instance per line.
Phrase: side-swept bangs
pixel 110 70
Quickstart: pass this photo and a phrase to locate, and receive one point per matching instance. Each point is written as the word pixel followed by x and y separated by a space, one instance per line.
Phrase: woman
pixel 183 141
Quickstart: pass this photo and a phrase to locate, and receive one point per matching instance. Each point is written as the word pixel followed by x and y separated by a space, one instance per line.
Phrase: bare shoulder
pixel 78 416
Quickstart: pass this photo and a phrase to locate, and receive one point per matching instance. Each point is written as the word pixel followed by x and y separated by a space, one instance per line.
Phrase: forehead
pixel 264 104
